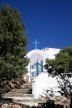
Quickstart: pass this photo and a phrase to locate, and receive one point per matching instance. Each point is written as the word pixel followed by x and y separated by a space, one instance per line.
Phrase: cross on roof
pixel 36 43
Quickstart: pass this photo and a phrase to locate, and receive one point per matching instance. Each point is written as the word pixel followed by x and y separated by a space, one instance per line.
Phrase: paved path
pixel 23 95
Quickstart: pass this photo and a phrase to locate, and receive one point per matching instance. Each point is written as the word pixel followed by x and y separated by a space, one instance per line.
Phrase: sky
pixel 48 21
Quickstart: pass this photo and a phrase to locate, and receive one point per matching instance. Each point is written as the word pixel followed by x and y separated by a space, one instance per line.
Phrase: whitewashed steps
pixel 21 91
pixel 23 96
pixel 30 102
pixel 18 95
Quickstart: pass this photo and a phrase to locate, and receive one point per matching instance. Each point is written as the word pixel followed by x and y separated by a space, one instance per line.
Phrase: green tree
pixel 61 66
pixel 13 44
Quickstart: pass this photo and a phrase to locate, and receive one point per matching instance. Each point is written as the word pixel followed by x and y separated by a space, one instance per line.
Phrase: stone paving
pixel 22 96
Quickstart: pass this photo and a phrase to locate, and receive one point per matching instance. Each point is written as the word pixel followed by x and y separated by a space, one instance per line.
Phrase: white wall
pixel 43 82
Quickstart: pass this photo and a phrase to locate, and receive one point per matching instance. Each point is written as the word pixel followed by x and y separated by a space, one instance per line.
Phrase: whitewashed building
pixel 38 59
pixel 37 73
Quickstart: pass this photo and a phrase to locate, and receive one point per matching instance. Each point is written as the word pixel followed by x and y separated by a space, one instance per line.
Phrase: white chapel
pixel 37 73
pixel 38 59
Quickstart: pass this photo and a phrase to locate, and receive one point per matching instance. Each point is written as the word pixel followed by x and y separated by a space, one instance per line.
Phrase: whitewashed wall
pixel 42 83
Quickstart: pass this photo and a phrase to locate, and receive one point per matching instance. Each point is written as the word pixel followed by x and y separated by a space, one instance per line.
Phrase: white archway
pixel 36 58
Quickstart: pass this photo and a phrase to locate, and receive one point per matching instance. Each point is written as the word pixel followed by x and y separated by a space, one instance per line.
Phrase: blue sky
pixel 48 21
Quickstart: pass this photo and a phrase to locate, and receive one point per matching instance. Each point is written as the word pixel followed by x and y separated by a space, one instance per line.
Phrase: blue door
pixel 37 69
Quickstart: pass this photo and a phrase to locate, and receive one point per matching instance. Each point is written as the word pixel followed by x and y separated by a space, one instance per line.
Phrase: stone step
pixel 18 95
pixel 28 100
pixel 25 89
pixel 25 85
pixel 14 91
pixel 30 104
pixel 22 96
pixel 15 98
pixel 30 87
pixel 22 92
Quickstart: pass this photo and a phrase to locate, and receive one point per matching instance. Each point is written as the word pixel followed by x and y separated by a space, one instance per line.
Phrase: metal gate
pixel 36 69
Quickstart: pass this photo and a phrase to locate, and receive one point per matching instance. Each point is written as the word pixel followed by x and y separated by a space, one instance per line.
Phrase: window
pixel 33 67
pixel 32 74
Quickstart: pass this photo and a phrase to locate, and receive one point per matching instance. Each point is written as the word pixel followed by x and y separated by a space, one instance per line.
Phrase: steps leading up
pixel 18 95
pixel 23 96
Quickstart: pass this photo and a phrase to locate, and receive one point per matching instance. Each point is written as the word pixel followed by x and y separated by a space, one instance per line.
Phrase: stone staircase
pixel 23 96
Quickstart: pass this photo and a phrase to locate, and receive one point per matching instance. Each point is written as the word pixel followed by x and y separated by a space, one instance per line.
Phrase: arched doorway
pixel 36 65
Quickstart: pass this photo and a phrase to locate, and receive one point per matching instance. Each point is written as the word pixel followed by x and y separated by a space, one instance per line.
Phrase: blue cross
pixel 36 43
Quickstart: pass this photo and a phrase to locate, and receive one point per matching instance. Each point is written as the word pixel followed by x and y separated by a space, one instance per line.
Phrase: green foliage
pixel 13 44
pixel 62 62
pixel 61 66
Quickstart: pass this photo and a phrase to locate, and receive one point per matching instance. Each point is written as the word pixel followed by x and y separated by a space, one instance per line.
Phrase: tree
pixel 13 44
pixel 61 66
